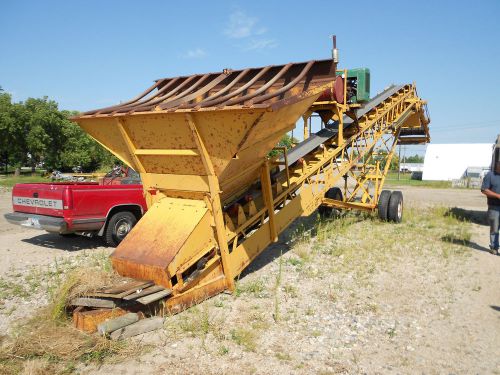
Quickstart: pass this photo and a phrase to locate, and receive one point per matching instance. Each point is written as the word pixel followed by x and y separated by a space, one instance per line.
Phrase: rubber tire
pixel 110 236
pixel 383 204
pixel 332 193
pixel 395 210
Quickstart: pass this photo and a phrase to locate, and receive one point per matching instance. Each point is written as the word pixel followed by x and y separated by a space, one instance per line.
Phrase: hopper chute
pixel 199 142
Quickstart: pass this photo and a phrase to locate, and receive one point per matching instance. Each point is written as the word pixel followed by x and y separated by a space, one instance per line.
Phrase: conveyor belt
pixel 316 139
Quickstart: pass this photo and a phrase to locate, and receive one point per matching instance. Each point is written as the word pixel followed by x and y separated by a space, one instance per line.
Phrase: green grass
pixel 256 288
pixel 245 338
pixel 405 180
pixel 10 181
pixel 9 289
pixel 364 247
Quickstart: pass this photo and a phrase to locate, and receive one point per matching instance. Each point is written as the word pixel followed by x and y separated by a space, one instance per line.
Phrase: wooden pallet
pixel 127 295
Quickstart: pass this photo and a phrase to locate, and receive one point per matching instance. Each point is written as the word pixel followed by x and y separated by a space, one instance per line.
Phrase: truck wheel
pixel 333 193
pixel 395 210
pixel 118 227
pixel 383 204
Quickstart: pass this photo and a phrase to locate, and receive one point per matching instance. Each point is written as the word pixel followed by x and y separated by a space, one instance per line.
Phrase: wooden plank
pixel 119 291
pixel 93 302
pixel 154 297
pixel 132 284
pixel 142 326
pixel 144 292
pixel 105 328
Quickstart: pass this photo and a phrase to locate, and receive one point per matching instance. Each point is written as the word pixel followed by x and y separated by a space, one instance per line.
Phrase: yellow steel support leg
pixel 130 147
pixel 268 198
pixel 213 183
pixel 306 128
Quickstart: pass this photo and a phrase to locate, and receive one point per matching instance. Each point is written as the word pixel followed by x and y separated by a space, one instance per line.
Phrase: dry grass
pixel 44 344
pixel 78 283
pixel 47 343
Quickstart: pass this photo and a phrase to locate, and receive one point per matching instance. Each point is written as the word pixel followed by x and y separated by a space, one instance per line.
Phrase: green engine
pixel 358 85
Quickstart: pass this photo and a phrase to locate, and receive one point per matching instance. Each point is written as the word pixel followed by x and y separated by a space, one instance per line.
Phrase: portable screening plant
pixel 215 198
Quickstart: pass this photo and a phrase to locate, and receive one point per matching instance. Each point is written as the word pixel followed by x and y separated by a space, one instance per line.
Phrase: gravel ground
pixel 349 296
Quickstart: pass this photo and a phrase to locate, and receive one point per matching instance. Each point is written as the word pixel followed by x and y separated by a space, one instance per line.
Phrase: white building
pixel 447 162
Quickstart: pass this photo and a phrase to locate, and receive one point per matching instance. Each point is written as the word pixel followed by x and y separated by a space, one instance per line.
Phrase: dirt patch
pixel 353 295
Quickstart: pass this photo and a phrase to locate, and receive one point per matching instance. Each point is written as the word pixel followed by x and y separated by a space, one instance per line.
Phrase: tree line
pixel 36 133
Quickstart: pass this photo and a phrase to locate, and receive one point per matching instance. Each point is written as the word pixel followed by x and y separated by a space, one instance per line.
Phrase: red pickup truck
pixel 107 208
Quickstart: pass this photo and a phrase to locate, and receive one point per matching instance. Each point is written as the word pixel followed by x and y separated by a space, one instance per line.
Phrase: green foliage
pixel 405 179
pixel 286 141
pixel 10 181
pixel 412 159
pixel 37 131
pixel 382 157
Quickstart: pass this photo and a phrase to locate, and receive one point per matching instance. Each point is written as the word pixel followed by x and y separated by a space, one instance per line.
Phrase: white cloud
pixel 247 29
pixel 196 53
pixel 240 25
pixel 256 44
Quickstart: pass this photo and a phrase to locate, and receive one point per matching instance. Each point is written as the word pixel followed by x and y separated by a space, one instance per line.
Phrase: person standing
pixel 491 188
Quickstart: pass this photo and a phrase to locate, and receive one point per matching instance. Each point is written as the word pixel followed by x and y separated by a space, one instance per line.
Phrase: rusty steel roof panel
pixel 266 87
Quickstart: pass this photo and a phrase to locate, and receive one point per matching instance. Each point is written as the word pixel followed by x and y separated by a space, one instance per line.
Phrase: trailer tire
pixel 332 193
pixel 117 228
pixel 395 210
pixel 383 204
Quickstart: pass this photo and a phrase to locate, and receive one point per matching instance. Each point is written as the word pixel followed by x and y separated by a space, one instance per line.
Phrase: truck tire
pixel 383 204
pixel 395 210
pixel 120 224
pixel 332 193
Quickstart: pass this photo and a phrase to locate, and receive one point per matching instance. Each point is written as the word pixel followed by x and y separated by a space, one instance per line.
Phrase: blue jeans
pixel 494 221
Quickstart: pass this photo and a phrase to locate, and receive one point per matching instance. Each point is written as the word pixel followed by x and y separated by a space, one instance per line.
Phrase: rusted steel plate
pixel 88 320
pixel 247 88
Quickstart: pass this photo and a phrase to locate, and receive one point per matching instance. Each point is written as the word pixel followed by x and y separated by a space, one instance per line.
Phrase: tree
pixel 286 141
pixel 12 133
pixel 80 149
pixel 36 131
pixel 382 157
pixel 413 159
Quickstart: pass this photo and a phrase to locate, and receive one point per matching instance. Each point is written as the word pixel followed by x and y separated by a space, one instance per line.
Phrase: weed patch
pixel 245 337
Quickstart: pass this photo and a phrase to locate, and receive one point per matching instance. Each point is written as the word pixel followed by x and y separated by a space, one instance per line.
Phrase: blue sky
pixel 89 54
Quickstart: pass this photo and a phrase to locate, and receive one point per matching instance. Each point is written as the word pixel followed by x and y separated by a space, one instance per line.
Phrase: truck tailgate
pixel 41 199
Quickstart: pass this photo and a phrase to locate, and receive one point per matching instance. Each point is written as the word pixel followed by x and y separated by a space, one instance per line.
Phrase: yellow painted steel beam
pixel 348 205
pixel 268 199
pixel 137 164
pixel 214 199
pixel 172 152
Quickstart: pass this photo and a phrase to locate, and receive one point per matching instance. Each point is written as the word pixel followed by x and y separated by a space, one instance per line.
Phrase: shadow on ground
pixel 284 244
pixel 496 308
pixel 472 216
pixel 67 243
pixel 287 238
pixel 462 242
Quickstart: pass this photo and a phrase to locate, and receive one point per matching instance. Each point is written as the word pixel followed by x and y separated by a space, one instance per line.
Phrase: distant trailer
pixel 411 167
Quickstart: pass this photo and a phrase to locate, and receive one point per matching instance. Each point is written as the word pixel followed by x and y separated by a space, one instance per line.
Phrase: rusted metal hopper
pixel 199 142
